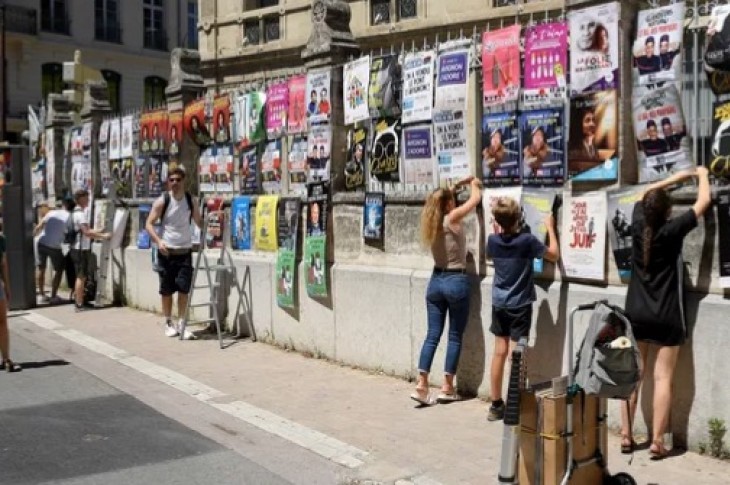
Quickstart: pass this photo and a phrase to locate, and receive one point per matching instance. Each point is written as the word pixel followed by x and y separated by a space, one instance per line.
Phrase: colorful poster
pixel 500 149
pixel 593 141
pixel 717 56
pixel 277 107
pixel 719 160
pixel 418 155
pixel 222 119
pixel 385 87
pixel 723 223
pixel 271 167
pixel 86 181
pixel 286 267
pixel 660 155
pixel 356 159
pixel 265 235
pixel 158 133
pixel 289 215
pixel 536 205
pixel 216 223
pixel 373 217
pixel 385 152
pixel 115 139
pixel 543 147
pixel 451 80
pixel 206 183
pixel 661 28
pixel 594 53
pixel 141 176
pixel 297 119
pixel 143 237
pixel 122 171
pixel 317 198
pixel 452 151
pixel 501 65
pixel 194 120
pixel 298 165
pixel 241 222
pixel 80 173
pixel 248 171
pixel 248 111
pixel 127 136
pixel 104 170
pixel 144 133
pixel 319 105
pixel 546 63
pixel 50 163
pixel 490 197
pixel 583 235
pixel 355 90
pixel 620 213
pixel 223 173
pixel 158 176
pixel 315 243
pixel 418 72
pixel 318 161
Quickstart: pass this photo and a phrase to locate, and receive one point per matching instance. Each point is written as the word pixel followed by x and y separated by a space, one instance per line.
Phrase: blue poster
pixel 373 216
pixel 542 147
pixel 143 237
pixel 500 150
pixel 241 222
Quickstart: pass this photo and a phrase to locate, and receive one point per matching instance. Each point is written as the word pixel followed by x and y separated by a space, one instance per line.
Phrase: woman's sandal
pixel 10 366
pixel 627 445
pixel 422 397
pixel 447 397
pixel 657 451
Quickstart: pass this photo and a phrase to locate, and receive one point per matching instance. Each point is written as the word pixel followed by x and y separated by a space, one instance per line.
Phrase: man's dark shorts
pixel 82 261
pixel 511 322
pixel 54 254
pixel 176 273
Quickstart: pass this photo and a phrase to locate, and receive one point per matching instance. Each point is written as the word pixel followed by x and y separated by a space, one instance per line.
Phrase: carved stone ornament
pixel 59 111
pixel 96 98
pixel 331 33
pixel 185 71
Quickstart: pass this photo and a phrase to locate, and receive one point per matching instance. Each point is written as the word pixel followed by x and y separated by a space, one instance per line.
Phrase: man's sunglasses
pixel 175 179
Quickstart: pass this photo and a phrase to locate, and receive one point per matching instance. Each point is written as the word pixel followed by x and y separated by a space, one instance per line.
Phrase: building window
pixel 407 9
pixel 154 91
pixel 54 17
pixel 271 29
pixel 106 21
pixel 153 19
pixel 504 3
pixel 114 85
pixel 51 79
pixel 256 4
pixel 265 30
pixel 192 34
pixel 380 12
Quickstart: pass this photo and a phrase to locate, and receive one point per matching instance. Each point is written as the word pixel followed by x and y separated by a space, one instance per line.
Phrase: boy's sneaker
pixel 81 308
pixel 496 412
pixel 171 330
pixel 188 335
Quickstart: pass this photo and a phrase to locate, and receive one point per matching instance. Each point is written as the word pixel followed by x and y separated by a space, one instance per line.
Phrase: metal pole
pixel 3 76
pixel 696 59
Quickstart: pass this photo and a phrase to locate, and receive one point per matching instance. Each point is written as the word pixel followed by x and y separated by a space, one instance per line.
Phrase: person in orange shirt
pixel 324 103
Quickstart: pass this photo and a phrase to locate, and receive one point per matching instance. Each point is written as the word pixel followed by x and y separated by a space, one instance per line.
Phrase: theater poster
pixel 127 136
pixel 716 54
pixel 356 160
pixel 158 121
pixel 104 169
pixel 241 222
pixel 157 176
pixel 277 107
pixel 265 236
pixel 355 89
pixel 297 114
pixel 141 177
pixel 144 132
pixel 452 152
pixel 319 101
pixel 546 63
pixel 216 222
pixel 418 155
pixel 583 235
pixel 248 112
pixel 593 140
pixel 719 161
pixel 224 170
pixel 657 51
pixel 536 205
pixel 175 132
pixel 298 165
pixel 661 133
pixel 248 171
pixel 373 217
pixel 385 87
pixel 620 217
pixel 271 167
pixel 594 48
pixel 289 216
pixel 451 80
pixel 115 139
pixel 315 242
pixel 501 65
pixel 385 150
pixel 318 149
pixel 542 147
pixel 500 149
pixel 418 71
pixel 490 197
pixel 723 223
pixel 206 169
pixel 222 119
pixel 195 123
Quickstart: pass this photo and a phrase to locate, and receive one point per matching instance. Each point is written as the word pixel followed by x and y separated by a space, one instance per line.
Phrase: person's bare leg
pixel 499 357
pixel 627 434
pixel 167 307
pixel 41 280
pixel 448 385
pixel 4 334
pixel 666 361
pixel 79 290
pixel 57 276
pixel 182 303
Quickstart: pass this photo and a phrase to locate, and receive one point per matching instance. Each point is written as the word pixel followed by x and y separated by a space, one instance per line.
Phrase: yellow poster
pixel 265 238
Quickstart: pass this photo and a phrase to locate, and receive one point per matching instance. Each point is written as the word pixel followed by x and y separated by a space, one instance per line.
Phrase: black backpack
pixel 71 233
pixel 166 204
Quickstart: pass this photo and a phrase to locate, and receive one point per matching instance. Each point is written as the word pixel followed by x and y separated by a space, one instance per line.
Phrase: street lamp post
pixel 3 75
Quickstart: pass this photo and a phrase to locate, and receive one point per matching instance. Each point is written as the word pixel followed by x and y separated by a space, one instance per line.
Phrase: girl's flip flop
pixel 422 398
pixel 445 398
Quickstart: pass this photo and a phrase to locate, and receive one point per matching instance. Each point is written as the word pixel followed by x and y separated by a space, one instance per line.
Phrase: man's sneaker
pixel 81 308
pixel 55 300
pixel 496 412
pixel 171 330
pixel 188 335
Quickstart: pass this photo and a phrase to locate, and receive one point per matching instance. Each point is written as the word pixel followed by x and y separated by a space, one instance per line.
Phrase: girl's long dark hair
pixel 656 207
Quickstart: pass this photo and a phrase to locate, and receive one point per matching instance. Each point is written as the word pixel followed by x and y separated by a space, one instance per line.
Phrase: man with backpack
pixel 175 209
pixel 79 235
pixel 51 233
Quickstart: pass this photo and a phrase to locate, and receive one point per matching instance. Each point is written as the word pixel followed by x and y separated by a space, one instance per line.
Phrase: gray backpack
pixel 604 371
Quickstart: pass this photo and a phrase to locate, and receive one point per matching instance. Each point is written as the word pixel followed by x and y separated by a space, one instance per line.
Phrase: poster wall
pixel 593 140
pixel 385 87
pixel 620 214
pixel 500 149
pixel 418 155
pixel 594 48
pixel 222 119
pixel 452 152
pixel 289 210
pixel 248 171
pixel 265 235
pixel 501 65
pixel 194 120
pixel 536 205
pixel 271 167
pixel 451 80
pixel 583 235
pixel 373 217
pixel 543 147
pixel 546 62
pixel 105 174
pixel 298 165
pixel 127 136
pixel 657 51
pixel 356 159
pixel 241 222
pixel 318 89
pixel 385 151
pixel 277 107
pixel 297 113
pixel 318 160
pixel 490 197
pixel 660 132
pixel 355 90
pixel 418 71
pixel 315 243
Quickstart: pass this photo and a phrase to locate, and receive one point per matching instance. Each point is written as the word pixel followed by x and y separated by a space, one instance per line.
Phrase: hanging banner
pixel 546 64
pixel 385 152
pixel 215 224
pixel 50 163
pixel 248 171
pixel 583 238
pixel 248 111
pixel 373 217
pixel 318 161
pixel 298 165
pixel 490 197
pixel 501 65
pixel 127 136
pixel 271 167
pixel 174 138
pixel 141 176
pixel 105 174
pixel 297 119
pixel 661 27
pixel 157 177
pixel 451 148
pixel 723 224
pixel 655 110
pixel 719 162
pixel 144 132
pixel 593 141
pixel 594 54
pixel 223 173
pixel 418 155
pixel 315 243
pixel 621 211
pixel 318 87
pixel 207 158
pixel 289 210
pixel 356 162
pixel 500 149
pixel 277 106
pixel 451 80
pixel 355 90
pixel 115 139
pixel 265 235
pixel 385 87
pixel 222 119
pixel 536 205
pixel 543 147
pixel 194 119
pixel 241 222
pixel 418 72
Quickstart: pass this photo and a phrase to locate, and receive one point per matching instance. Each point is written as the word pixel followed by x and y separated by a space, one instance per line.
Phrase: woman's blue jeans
pixel 446 292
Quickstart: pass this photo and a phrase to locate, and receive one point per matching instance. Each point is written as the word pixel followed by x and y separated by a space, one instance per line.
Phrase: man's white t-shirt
pixel 54 228
pixel 176 223
pixel 81 216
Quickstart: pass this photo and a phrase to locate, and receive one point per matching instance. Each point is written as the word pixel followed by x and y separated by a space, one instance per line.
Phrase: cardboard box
pixel 539 410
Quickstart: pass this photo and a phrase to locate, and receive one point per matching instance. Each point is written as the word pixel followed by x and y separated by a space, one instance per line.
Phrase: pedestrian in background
pixel 50 232
pixel 6 364
pixel 448 289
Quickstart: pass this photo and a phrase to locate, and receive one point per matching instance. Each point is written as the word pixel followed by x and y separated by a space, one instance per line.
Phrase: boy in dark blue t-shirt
pixel 513 288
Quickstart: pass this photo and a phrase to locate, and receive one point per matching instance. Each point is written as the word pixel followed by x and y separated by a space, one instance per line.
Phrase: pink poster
pixel 277 105
pixel 501 65
pixel 297 119
pixel 546 55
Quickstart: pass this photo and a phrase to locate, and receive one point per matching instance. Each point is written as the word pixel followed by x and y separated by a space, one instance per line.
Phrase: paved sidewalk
pixel 386 439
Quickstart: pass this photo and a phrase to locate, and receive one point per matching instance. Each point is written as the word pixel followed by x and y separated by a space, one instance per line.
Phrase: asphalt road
pixel 60 424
